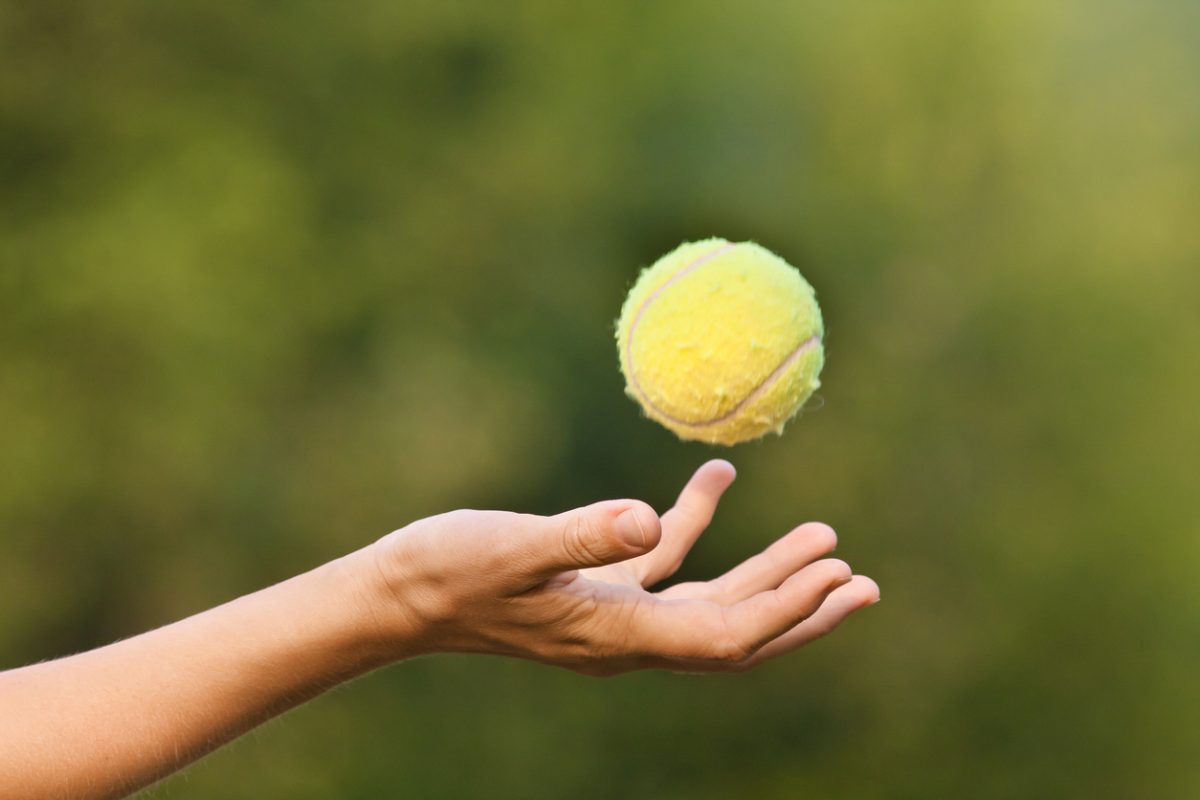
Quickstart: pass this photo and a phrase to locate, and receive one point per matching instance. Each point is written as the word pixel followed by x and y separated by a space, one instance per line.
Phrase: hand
pixel 570 589
pixel 566 590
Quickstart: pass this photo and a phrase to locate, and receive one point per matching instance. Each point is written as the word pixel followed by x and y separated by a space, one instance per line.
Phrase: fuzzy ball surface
pixel 721 342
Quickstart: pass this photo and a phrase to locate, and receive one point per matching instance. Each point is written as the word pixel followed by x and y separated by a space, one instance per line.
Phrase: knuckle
pixel 579 540
pixel 725 649
pixel 745 665
pixel 728 652
pixel 573 535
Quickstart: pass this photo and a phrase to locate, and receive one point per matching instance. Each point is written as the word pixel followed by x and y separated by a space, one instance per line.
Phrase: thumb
pixel 602 533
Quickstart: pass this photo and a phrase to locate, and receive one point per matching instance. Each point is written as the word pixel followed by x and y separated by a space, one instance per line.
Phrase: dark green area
pixel 276 279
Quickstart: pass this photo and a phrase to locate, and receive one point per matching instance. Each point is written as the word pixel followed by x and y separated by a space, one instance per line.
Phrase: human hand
pixel 571 589
pixel 568 590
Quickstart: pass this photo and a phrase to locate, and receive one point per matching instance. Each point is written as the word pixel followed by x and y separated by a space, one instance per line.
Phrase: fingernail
pixel 630 529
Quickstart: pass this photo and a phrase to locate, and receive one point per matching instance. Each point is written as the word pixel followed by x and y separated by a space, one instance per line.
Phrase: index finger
pixel 685 521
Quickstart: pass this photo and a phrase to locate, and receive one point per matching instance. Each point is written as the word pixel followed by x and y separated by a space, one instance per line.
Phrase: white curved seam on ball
pixel 802 348
pixel 749 398
pixel 688 268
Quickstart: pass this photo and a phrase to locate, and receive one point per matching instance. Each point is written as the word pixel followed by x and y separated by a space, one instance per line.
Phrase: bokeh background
pixel 276 279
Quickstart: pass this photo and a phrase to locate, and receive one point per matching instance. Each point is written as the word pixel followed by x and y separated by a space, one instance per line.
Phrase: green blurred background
pixel 276 279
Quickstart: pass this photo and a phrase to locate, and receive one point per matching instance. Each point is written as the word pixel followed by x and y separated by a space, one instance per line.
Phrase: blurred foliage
pixel 278 278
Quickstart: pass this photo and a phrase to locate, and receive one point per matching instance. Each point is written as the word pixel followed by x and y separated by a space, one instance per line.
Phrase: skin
pixel 568 590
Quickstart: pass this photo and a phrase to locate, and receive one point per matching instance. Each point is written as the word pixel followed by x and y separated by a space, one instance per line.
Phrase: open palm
pixel 572 589
pixel 729 606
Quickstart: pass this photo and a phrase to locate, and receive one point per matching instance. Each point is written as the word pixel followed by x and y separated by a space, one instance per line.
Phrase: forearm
pixel 108 721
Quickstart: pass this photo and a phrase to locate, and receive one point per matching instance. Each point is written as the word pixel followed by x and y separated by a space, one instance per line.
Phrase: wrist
pixel 384 619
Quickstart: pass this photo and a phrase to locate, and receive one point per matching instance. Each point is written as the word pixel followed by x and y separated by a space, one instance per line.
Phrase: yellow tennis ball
pixel 721 342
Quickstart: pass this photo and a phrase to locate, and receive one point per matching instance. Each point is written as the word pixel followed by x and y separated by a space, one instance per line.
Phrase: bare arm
pixel 106 722
pixel 566 590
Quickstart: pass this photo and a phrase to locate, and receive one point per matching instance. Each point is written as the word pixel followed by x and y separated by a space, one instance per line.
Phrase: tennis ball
pixel 721 342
